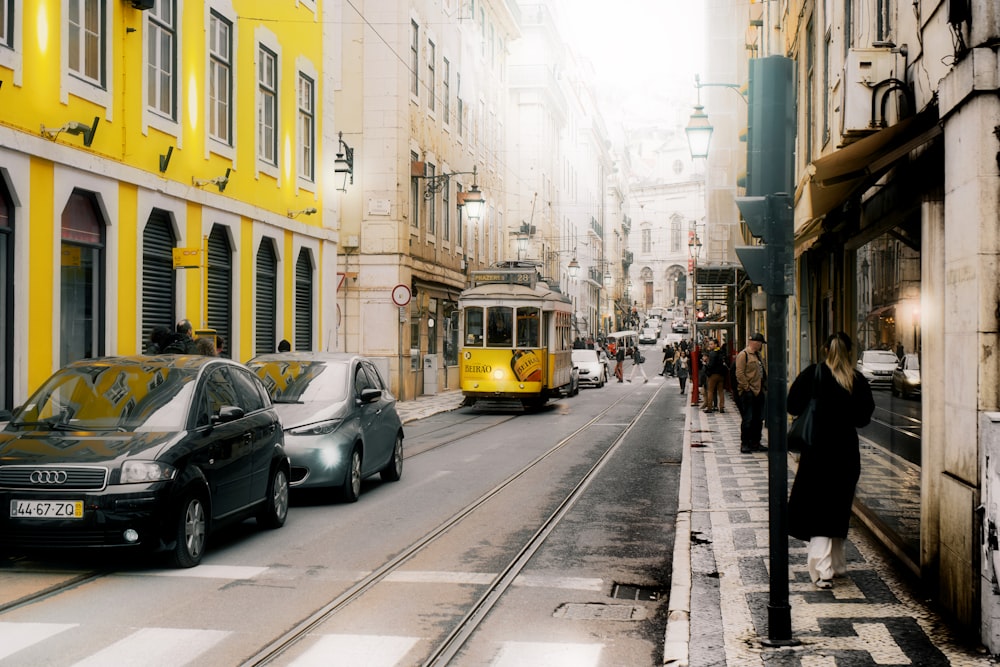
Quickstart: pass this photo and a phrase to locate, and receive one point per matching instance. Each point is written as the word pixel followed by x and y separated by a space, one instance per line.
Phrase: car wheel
pixel 275 509
pixel 393 470
pixel 350 490
pixel 191 531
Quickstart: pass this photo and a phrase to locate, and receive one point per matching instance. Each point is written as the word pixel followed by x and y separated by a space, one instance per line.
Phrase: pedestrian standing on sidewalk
pixel 681 369
pixel 750 392
pixel 819 508
pixel 715 371
pixel 637 361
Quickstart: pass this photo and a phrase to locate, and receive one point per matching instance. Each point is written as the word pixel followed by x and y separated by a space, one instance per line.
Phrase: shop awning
pixel 835 177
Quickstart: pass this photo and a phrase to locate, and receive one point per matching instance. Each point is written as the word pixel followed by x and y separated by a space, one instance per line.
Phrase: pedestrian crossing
pixel 176 647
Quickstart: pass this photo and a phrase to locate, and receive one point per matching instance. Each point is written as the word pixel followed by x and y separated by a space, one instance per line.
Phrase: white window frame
pixel 223 146
pixel 11 42
pixel 154 72
pixel 306 128
pixel 268 124
pixel 431 75
pixel 76 83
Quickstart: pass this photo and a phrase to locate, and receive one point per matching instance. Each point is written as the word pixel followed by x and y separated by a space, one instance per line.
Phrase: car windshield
pixel 303 381
pixel 109 397
pixel 912 362
pixel 879 357
pixel 585 356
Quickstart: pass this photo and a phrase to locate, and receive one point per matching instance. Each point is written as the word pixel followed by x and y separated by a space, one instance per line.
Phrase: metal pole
pixel 402 384
pixel 779 611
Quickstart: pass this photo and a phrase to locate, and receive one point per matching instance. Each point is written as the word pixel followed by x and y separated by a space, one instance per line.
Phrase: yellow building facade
pixel 131 130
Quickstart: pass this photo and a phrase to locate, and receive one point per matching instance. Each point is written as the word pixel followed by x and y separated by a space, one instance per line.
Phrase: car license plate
pixel 46 509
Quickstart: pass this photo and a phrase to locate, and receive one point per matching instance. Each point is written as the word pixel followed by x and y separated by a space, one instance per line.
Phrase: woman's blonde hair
pixel 838 359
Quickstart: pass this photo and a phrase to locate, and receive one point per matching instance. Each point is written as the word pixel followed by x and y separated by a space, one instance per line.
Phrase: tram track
pixel 466 626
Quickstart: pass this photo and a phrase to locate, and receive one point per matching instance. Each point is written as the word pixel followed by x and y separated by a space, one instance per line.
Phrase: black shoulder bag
pixel 800 433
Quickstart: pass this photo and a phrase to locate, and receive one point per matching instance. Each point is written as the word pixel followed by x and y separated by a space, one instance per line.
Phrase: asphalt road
pixel 590 483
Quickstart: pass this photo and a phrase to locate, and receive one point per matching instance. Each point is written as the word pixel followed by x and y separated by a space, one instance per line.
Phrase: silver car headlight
pixel 139 472
pixel 319 428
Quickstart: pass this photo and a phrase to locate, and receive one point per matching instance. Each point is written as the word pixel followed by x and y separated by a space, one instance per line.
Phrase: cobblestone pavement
pixel 719 602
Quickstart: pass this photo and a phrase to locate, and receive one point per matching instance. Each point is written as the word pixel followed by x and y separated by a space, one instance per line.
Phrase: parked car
pixel 877 366
pixel 156 452
pixel 680 326
pixel 340 420
pixel 647 336
pixel 906 376
pixel 593 371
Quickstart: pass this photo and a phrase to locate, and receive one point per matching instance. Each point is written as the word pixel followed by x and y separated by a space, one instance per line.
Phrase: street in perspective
pixel 499 333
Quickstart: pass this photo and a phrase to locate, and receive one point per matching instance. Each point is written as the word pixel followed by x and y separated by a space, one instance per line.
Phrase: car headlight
pixel 138 472
pixel 319 428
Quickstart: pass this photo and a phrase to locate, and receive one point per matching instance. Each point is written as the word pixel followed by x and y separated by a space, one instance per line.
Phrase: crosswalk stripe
pixel 210 572
pixel 156 647
pixel 367 650
pixel 16 636
pixel 545 654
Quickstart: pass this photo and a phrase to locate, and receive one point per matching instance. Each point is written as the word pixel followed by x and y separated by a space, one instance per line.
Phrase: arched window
pixel 159 285
pixel 81 333
pixel 303 300
pixel 267 298
pixel 6 298
pixel 220 284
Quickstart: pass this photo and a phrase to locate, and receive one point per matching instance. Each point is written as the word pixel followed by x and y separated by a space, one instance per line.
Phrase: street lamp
pixel 699 130
pixel 471 201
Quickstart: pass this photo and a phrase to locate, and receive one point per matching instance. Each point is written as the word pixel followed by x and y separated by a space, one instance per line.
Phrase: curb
pixel 677 636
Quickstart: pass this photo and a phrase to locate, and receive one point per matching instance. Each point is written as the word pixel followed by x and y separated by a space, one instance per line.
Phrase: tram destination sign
pixel 505 276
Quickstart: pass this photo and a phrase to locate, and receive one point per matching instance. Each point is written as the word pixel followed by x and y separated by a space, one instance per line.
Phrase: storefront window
pixel 432 326
pixel 449 323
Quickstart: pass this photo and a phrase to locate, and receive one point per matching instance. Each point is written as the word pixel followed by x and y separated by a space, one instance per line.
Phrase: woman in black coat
pixel 819 508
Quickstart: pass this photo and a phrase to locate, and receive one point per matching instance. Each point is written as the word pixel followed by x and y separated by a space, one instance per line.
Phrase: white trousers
pixel 826 558
pixel 640 369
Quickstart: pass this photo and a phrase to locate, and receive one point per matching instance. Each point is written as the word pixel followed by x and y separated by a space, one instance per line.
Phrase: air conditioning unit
pixel 864 70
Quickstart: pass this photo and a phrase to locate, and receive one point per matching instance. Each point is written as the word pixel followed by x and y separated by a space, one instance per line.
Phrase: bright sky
pixel 640 46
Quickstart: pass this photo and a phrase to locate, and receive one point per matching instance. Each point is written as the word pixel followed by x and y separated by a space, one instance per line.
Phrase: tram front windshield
pixel 502 327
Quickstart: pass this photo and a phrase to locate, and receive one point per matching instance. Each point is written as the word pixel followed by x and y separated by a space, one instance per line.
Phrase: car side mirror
pixel 370 395
pixel 228 413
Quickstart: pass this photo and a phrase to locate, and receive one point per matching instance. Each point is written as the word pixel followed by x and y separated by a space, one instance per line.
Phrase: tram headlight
pixel 498 374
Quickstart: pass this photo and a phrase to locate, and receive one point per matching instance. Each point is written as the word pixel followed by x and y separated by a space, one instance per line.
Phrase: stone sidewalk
pixel 720 591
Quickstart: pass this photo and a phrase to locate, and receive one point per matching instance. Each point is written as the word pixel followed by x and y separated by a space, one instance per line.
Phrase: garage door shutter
pixel 220 285
pixel 267 298
pixel 303 301
pixel 159 288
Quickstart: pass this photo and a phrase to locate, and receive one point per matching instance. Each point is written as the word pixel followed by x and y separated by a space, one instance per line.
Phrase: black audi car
pixel 150 452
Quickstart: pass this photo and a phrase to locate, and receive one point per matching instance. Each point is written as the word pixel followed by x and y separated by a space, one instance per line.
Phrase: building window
pixel 460 222
pixel 266 307
pixel 267 105
pixel 446 211
pixel 414 58
pixel 81 334
pixel 307 128
pixel 460 105
pixel 6 298
pixel 85 19
pixel 303 300
pixel 161 55
pixel 446 90
pixel 220 79
pixel 675 235
pixel 431 201
pixel 431 74
pixel 415 197
pixel 647 240
pixel 7 23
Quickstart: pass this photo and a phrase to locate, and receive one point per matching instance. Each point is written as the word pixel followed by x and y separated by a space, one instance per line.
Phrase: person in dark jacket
pixel 819 507
pixel 715 372
pixel 183 340
pixel 158 339
pixel 619 361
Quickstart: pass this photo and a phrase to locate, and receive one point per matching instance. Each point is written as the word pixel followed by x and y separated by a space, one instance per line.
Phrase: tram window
pixel 474 326
pixel 527 327
pixel 500 327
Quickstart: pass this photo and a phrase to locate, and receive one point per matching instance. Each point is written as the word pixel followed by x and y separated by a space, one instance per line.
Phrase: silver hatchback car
pixel 339 419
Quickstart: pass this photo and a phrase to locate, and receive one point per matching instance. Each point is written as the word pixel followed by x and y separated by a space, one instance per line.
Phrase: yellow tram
pixel 517 337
